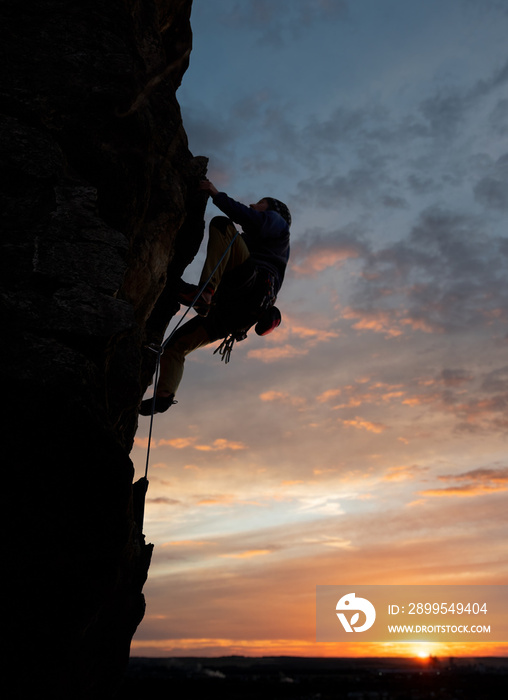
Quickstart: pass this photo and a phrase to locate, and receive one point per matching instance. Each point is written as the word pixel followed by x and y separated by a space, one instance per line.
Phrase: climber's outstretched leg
pixel 191 336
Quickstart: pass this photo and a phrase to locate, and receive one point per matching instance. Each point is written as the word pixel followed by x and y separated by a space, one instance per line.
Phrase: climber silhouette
pixel 240 280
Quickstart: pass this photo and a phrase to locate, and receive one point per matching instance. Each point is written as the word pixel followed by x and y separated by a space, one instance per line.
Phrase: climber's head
pixel 280 208
pixel 271 204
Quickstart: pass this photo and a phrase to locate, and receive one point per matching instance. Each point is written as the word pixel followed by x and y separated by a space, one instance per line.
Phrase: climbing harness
pixel 268 319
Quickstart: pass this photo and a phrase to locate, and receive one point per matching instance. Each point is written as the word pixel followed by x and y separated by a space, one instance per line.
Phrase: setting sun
pixel 423 653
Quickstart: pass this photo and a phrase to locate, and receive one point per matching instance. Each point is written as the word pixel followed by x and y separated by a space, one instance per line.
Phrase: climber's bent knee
pixel 224 225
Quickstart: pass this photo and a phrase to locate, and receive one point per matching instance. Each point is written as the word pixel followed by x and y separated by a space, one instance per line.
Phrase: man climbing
pixel 241 278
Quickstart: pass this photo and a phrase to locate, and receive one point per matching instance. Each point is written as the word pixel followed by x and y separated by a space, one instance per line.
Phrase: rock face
pixel 101 215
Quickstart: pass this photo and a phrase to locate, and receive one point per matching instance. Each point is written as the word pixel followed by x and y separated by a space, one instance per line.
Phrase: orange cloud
pixel 187 543
pixel 221 444
pixel 314 335
pixel 402 472
pixel 295 329
pixel 465 490
pixel 329 394
pixel 392 395
pixel 363 424
pixel 217 445
pixel 389 322
pixel 284 348
pixel 248 554
pixel 377 321
pixel 419 324
pixel 322 259
pixel 221 499
pixel 282 397
pixel 177 443
pixel 275 354
pixel 378 392
pixel 273 395
pixel 354 402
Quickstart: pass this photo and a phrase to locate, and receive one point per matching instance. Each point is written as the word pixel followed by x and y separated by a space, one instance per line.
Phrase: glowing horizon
pixel 300 648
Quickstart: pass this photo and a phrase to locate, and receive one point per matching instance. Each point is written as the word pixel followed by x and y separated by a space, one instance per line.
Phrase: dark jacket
pixel 266 235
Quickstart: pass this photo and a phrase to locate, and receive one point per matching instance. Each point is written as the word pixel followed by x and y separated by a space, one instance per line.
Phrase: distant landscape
pixel 482 678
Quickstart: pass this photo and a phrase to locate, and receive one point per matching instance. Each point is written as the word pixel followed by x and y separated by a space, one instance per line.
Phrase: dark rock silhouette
pixel 101 215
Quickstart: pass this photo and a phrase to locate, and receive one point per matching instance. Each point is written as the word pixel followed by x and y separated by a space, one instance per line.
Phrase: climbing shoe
pixel 202 304
pixel 161 404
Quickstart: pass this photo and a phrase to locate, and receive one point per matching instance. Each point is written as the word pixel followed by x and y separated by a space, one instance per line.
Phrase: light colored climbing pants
pixel 221 233
pixel 189 337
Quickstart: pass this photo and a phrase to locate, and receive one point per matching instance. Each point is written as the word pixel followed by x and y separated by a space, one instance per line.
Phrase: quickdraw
pixel 226 347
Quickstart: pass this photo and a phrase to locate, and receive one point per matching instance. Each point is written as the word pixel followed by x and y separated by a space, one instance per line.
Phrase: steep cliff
pixel 101 214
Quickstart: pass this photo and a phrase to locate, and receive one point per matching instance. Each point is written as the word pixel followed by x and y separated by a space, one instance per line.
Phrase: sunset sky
pixel 365 441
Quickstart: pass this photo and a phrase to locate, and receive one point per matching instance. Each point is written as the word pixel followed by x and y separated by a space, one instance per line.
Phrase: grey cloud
pixel 360 185
pixel 496 381
pixel 360 149
pixel 475 401
pixel 365 156
pixel 455 377
pixel 496 80
pixel 368 145
pixel 277 23
pixel 161 500
pixel 475 482
pixel 371 133
pixel 480 474
pixel 492 190
pixel 444 111
pixel 499 117
pixel 492 6
pixel 206 133
pixel 448 108
pixel 447 273
pixel 393 202
pixel 421 184
pixel 345 125
pixel 257 123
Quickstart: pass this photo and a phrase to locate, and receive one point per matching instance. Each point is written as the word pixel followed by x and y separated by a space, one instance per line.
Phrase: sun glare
pixel 421 651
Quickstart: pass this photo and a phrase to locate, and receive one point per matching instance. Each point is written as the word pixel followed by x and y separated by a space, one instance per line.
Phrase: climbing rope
pixel 156 381
pixel 159 349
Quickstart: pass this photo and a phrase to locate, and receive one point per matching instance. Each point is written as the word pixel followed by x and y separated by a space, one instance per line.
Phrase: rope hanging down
pixel 159 349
